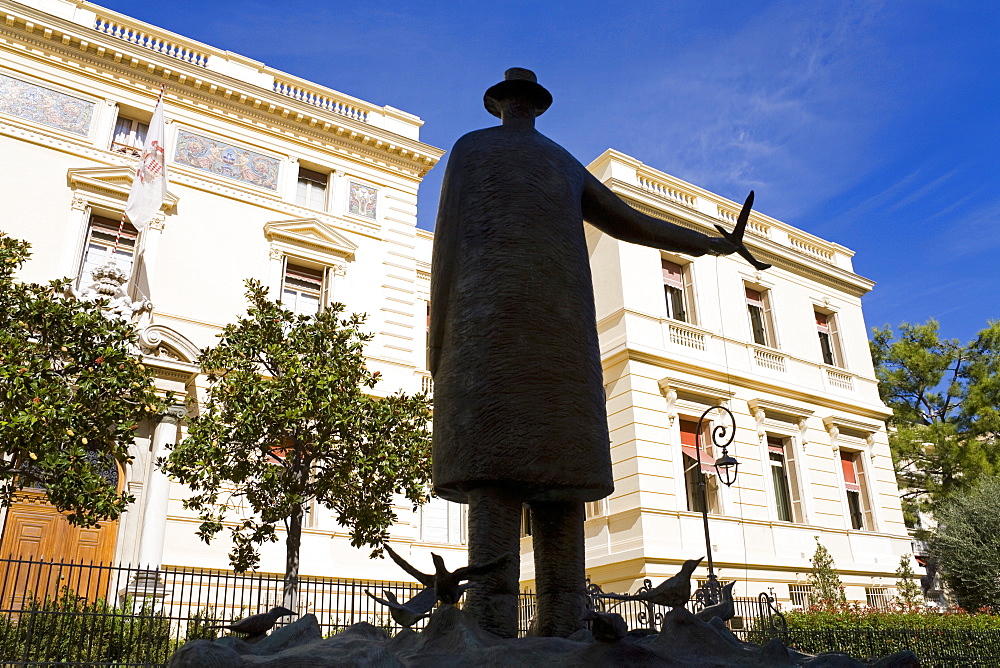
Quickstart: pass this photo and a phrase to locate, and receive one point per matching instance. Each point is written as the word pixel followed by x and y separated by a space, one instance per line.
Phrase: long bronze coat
pixel 518 386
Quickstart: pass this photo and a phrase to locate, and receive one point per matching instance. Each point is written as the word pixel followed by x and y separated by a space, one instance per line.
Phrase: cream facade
pixel 314 193
pixel 311 191
pixel 786 351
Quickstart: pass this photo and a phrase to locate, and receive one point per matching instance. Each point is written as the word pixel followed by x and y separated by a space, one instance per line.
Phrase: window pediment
pixel 311 234
pixel 110 183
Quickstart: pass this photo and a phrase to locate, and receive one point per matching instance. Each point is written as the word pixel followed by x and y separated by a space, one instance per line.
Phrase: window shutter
pixel 864 490
pixel 689 307
pixel 689 446
pixel 838 353
pixel 849 471
pixel 673 274
pixel 326 293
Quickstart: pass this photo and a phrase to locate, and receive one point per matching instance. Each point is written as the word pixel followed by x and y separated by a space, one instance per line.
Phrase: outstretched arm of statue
pixel 608 213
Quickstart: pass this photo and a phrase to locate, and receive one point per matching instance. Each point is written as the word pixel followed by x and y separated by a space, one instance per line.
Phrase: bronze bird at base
pixel 409 613
pixel 256 625
pixel 447 584
pixel 673 592
pixel 724 610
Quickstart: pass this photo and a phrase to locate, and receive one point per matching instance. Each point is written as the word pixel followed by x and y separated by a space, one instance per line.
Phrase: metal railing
pixel 65 613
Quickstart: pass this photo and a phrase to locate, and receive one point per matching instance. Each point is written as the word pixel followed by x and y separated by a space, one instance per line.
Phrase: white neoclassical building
pixel 314 193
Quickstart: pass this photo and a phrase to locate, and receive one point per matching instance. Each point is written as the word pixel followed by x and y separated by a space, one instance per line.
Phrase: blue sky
pixel 872 124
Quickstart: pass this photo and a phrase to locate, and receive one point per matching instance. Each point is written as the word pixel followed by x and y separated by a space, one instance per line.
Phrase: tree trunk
pixel 293 543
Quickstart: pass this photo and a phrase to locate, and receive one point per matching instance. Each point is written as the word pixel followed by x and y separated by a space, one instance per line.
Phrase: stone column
pixel 154 514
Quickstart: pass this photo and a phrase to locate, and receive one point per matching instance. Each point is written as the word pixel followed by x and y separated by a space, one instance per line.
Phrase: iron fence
pixel 56 613
pixel 85 614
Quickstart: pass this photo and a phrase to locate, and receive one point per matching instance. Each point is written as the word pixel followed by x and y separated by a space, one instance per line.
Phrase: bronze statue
pixel 519 406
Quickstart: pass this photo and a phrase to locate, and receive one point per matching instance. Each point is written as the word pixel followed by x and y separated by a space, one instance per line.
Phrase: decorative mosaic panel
pixel 44 105
pixel 362 200
pixel 234 162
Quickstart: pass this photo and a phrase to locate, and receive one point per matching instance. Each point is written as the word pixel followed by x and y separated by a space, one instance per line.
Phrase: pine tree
pixel 827 589
pixel 908 593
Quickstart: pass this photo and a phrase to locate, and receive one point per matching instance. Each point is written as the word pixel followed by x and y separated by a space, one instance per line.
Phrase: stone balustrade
pixel 669 192
pixel 323 100
pixel 173 47
pixel 812 249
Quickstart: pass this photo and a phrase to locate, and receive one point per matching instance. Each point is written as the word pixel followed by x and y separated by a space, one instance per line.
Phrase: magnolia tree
pixel 72 393
pixel 289 421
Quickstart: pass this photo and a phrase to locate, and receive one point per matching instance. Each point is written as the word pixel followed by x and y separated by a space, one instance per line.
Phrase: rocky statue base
pixel 452 639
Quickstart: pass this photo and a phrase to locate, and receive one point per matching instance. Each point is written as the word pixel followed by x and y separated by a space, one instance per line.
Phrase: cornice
pixel 179 174
pixel 73 48
pixel 739 380
pixel 783 257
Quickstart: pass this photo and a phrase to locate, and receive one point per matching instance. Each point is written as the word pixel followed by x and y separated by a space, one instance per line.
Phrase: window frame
pixel 456 522
pixel 678 289
pixel 689 467
pixel 136 135
pixel 312 180
pixel 860 512
pixel 831 331
pixel 129 240
pixel 783 446
pixel 763 308
pixel 321 292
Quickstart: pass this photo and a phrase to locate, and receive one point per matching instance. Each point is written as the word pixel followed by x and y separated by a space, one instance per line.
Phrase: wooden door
pixel 54 554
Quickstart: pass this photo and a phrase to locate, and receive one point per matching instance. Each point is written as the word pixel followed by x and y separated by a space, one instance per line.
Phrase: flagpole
pixel 121 223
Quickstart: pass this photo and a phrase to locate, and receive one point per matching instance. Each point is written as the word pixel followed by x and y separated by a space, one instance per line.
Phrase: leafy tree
pixel 965 545
pixel 289 421
pixel 72 392
pixel 945 398
pixel 908 593
pixel 827 589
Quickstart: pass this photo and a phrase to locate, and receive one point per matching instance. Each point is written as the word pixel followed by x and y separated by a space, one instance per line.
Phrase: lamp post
pixel 727 468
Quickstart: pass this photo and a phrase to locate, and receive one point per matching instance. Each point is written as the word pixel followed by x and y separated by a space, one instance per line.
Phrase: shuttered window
pixel 759 311
pixel 674 290
pixel 100 242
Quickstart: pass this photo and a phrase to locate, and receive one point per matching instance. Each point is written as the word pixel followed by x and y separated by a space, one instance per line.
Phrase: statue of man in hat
pixel 519 405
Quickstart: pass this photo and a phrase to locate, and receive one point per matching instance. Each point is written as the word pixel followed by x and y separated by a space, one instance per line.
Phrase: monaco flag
pixel 149 187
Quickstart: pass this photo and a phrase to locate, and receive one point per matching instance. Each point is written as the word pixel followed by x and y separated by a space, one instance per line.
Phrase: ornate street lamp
pixel 726 467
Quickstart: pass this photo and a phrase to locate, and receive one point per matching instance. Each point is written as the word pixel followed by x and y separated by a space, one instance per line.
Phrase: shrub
pixel 69 628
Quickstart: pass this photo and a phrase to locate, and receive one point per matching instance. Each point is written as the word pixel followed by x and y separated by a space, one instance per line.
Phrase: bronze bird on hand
pixel 409 613
pixel 724 610
pixel 673 592
pixel 736 236
pixel 446 584
pixel 256 625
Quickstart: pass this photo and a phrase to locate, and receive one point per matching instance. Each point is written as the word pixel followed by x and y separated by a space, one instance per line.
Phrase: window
pixel 676 291
pixel 759 310
pixel 302 289
pixel 787 497
pixel 829 342
pixel 311 189
pixel 692 476
pixel 525 520
pixel 596 508
pixel 100 242
pixel 857 496
pixel 878 597
pixel 442 521
pixel 800 595
pixel 129 137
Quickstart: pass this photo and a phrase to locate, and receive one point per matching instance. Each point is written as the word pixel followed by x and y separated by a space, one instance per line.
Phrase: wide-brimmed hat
pixel 517 82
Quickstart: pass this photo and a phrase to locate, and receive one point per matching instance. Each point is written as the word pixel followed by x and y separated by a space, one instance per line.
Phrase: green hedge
pixel 937 638
pixel 71 629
